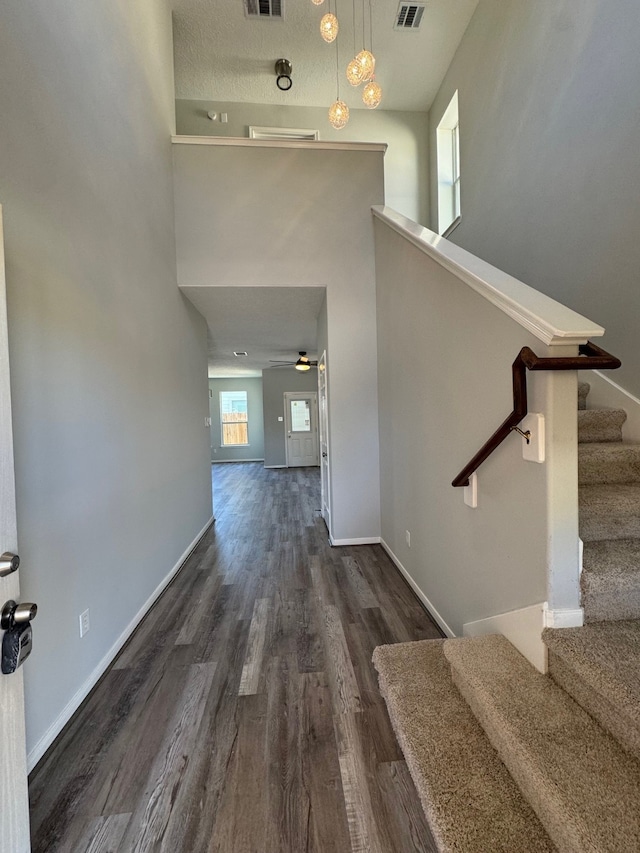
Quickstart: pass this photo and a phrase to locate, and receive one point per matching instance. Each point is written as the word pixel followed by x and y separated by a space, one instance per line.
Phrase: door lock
pixel 18 638
pixel 8 563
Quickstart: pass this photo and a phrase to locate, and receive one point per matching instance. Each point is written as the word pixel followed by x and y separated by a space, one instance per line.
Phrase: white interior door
pixel 14 804
pixel 301 422
pixel 323 417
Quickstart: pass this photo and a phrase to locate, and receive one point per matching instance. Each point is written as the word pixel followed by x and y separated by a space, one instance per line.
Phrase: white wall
pixel 444 368
pixel 109 361
pixel 549 122
pixel 406 163
pixel 299 217
pixel 255 449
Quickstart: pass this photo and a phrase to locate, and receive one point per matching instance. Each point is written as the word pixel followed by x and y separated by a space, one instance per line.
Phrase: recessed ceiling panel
pixel 265 322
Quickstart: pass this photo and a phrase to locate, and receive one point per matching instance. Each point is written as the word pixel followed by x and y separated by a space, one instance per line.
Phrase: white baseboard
pixel 414 586
pixel 81 694
pixel 365 540
pixel 523 629
pixel 608 394
pixel 233 461
pixel 275 466
pixel 565 618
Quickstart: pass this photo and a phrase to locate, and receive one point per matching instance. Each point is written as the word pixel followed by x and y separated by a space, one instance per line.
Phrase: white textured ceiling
pixel 221 55
pixel 267 322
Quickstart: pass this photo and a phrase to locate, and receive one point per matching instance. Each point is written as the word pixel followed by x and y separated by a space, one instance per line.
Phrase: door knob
pixel 17 614
pixel 8 563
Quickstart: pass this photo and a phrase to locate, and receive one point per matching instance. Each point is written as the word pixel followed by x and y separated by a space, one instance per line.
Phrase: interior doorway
pixel 301 425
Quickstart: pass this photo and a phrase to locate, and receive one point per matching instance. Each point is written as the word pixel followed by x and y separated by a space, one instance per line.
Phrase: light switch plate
pixel 534 451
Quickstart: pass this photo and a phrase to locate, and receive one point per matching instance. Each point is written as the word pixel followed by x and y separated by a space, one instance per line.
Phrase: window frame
pixel 448 167
pixel 224 423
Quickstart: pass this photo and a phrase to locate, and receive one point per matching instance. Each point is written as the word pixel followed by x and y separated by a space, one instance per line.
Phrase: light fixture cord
pixel 370 27
pixel 337 67
pixel 355 46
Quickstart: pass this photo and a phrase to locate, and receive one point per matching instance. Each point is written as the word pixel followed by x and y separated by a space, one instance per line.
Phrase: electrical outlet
pixel 407 536
pixel 84 623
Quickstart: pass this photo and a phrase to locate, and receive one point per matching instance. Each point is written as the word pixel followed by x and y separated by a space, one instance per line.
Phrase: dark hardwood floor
pixel 244 715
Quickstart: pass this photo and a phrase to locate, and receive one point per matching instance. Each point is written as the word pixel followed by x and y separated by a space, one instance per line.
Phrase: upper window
pixel 234 418
pixel 448 148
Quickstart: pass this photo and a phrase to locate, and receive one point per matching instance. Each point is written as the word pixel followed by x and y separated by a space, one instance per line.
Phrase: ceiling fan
pixel 303 363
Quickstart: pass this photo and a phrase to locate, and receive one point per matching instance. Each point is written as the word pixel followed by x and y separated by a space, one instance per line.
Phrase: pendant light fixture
pixel 338 111
pixel 329 27
pixel 372 92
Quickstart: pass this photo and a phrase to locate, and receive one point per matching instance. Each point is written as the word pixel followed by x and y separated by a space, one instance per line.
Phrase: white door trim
pixel 14 803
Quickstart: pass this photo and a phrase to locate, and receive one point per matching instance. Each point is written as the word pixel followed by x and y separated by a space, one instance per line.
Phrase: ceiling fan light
pixel 303 366
pixel 367 62
pixel 354 72
pixel 372 95
pixel 338 114
pixel 329 27
pixel 317 2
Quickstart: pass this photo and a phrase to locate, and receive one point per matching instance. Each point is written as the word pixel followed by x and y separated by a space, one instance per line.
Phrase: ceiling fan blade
pixel 275 361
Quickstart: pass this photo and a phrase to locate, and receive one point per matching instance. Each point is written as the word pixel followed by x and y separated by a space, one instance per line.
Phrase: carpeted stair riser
pixel 470 800
pixel 610 580
pixel 609 511
pixel 580 782
pixel 598 693
pixel 608 462
pixel 600 424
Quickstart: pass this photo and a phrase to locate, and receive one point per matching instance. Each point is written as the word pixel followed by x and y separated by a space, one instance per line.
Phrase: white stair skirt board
pixel 523 629
pixel 81 694
pixel 414 586
pixel 365 540
pixel 605 393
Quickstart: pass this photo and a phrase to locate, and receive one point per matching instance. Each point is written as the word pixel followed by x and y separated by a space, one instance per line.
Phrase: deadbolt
pixel 17 614
pixel 8 563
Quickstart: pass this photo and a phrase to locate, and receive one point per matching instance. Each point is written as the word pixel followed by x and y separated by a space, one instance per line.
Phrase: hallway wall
pixel 275 381
pixel 109 361
pixel 406 162
pixel 549 107
pixel 255 449
pixel 249 215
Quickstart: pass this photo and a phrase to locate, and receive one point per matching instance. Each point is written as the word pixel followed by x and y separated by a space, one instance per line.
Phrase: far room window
pixel 234 418
pixel 448 149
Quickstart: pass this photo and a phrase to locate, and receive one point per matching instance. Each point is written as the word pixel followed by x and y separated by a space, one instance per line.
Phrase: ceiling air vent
pixel 264 9
pixel 409 16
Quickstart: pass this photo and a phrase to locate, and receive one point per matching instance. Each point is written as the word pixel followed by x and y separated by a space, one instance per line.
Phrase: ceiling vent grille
pixel 409 16
pixel 264 9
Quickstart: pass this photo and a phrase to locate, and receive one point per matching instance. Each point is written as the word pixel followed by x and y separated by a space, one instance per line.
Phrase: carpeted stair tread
pixel 608 462
pixel 599 666
pixel 610 580
pixel 600 424
pixel 584 787
pixel 583 391
pixel 610 511
pixel 470 800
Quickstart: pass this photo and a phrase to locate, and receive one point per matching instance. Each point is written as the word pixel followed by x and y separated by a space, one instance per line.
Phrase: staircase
pixel 507 760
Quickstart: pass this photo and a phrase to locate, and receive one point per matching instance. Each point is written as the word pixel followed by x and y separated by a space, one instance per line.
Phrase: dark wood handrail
pixel 591 358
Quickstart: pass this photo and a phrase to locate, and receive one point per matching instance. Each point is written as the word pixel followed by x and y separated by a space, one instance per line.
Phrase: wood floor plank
pixel 257 635
pixel 105 834
pixel 346 695
pixel 147 826
pixel 244 716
